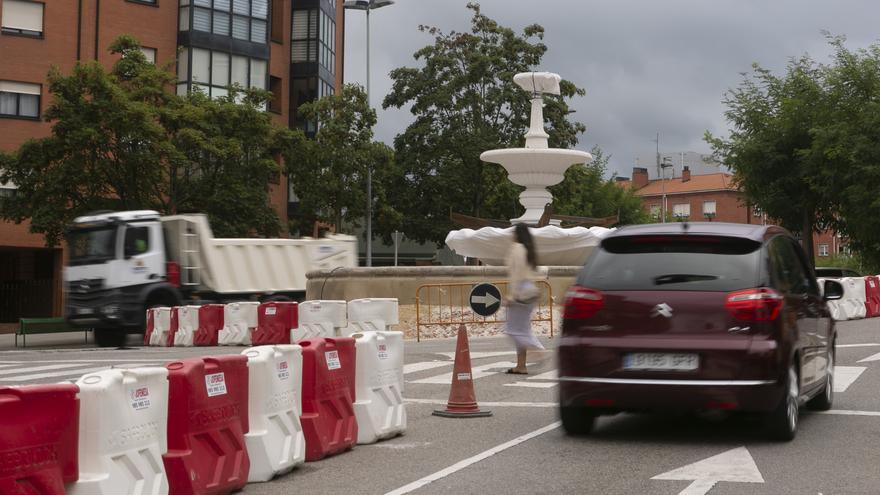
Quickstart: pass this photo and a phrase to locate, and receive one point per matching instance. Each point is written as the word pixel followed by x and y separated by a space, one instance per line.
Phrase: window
pixel 709 207
pixel 823 250
pixel 313 38
pixel 149 53
pixel 137 241
pixel 681 211
pixel 655 211
pixel 22 17
pixel 20 100
pixel 757 212
pixel 787 270
pixel 215 71
pixel 241 19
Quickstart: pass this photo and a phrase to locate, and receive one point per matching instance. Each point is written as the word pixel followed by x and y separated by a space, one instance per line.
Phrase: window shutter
pixel 27 16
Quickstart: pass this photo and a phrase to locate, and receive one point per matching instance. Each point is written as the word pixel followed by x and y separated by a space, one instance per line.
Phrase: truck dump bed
pixel 228 266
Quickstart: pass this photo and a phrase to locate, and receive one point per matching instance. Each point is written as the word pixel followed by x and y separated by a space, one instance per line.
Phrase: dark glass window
pixel 19 100
pixel 215 71
pixel 673 263
pixel 22 17
pixel 137 241
pixel 313 38
pixel 788 270
pixel 241 19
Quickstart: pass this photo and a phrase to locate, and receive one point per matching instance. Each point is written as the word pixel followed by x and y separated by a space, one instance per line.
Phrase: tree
pixel 121 141
pixel 585 192
pixel 329 172
pixel 772 148
pixel 465 102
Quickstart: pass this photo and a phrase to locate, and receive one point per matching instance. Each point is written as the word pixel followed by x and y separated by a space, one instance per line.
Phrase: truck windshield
pixel 95 245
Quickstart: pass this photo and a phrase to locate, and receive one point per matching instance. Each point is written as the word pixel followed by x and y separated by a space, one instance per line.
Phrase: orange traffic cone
pixel 462 400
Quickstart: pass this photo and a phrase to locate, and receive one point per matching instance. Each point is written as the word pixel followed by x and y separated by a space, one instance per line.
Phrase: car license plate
pixel 660 361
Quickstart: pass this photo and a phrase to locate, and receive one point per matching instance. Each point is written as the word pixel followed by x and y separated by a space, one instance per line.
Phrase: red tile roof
pixel 698 183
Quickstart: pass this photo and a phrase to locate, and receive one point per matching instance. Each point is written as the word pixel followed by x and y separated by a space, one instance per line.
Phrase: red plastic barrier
pixel 151 323
pixel 207 420
pixel 274 321
pixel 210 323
pixel 38 439
pixel 175 324
pixel 328 419
pixel 872 297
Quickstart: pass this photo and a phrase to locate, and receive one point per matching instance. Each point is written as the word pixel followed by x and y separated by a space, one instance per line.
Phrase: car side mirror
pixel 832 291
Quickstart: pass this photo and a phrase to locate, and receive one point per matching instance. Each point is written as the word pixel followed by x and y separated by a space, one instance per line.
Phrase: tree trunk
pixel 807 236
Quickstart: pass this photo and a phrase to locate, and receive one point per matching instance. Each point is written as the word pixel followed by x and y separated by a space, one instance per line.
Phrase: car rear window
pixel 680 263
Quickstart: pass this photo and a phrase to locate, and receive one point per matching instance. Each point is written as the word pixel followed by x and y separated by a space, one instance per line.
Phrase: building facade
pixel 710 197
pixel 292 48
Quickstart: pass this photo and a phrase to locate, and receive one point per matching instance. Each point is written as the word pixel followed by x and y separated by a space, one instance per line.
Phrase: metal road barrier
pixel 449 304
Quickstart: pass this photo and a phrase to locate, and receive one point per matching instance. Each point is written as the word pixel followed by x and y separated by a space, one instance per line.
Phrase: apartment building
pixel 292 48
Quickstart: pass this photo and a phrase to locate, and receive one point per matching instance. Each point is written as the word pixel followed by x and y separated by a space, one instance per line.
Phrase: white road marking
pixel 56 374
pixel 427 365
pixel 476 372
pixel 90 361
pixel 480 355
pixel 875 357
pixel 735 466
pixel 531 384
pixel 415 485
pixel 441 402
pixel 550 375
pixel 857 345
pixel 844 412
pixel 844 376
pixel 37 368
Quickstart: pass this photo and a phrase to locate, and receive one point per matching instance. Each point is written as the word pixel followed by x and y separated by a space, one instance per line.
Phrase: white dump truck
pixel 121 263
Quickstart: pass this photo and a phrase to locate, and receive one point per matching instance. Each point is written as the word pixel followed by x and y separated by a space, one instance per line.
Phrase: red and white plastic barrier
pixel 239 321
pixel 210 324
pixel 275 441
pixel 124 413
pixel 187 325
pixel 38 438
pixel 320 319
pixel 379 404
pixel 275 320
pixel 371 314
pixel 161 326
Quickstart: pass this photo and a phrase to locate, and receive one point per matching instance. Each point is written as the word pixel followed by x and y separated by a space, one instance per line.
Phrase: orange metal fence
pixel 449 304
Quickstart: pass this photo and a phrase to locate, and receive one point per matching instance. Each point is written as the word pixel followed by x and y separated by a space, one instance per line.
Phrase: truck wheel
pixel 110 337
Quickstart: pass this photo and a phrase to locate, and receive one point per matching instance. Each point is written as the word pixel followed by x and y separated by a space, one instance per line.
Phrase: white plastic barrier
pixel 122 432
pixel 854 299
pixel 320 319
pixel 161 326
pixel 187 325
pixel 239 320
pixel 371 314
pixel 275 442
pixel 379 407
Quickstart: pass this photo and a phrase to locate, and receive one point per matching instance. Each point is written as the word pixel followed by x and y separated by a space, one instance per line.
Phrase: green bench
pixel 31 326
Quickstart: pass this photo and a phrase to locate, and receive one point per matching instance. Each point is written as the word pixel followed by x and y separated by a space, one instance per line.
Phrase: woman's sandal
pixel 513 371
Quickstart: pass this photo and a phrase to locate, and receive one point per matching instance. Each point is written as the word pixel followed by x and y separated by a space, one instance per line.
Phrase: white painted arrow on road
pixel 735 466
pixel 875 357
pixel 487 300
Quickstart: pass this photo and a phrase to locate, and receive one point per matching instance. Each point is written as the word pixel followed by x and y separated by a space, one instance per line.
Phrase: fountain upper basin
pixel 530 161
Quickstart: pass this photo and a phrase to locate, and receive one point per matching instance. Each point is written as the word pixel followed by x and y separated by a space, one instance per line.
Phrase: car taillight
pixel 172 273
pixel 760 304
pixel 581 302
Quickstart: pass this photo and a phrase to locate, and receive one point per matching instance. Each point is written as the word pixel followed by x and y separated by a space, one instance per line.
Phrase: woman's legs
pixel 521 361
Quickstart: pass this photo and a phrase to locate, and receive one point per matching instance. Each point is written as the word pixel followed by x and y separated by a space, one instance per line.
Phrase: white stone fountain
pixel 535 167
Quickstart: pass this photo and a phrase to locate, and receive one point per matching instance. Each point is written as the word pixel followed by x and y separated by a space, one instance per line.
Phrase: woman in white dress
pixel 522 296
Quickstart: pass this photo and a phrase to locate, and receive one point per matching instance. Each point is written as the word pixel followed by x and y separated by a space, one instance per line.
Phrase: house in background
pixel 711 197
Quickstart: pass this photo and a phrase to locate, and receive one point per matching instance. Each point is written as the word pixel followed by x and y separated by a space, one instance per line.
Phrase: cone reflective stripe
pixel 462 399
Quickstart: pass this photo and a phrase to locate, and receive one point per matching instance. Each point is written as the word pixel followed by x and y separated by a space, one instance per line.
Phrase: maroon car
pixel 696 317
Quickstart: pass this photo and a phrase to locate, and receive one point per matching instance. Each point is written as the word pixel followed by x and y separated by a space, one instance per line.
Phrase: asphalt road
pixel 522 449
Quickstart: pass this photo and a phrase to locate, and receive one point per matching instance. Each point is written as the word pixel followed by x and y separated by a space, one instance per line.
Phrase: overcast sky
pixel 648 66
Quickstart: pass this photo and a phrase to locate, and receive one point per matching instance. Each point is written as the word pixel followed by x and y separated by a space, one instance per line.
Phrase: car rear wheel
pixel 110 337
pixel 825 399
pixel 782 421
pixel 577 420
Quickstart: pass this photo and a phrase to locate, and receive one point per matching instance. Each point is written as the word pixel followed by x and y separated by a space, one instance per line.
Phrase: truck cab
pixel 117 261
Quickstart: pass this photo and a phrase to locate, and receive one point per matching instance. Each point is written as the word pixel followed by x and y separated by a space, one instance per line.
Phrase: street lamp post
pixel 367 6
pixel 663 166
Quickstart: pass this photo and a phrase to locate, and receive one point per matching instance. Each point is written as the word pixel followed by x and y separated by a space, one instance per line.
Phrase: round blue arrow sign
pixel 485 299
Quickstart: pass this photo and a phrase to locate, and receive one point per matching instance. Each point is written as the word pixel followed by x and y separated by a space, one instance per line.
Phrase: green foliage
pixel 465 102
pixel 854 261
pixel 121 141
pixel 329 173
pixel 805 146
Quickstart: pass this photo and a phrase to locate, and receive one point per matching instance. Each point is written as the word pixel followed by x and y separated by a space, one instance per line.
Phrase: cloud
pixel 647 66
